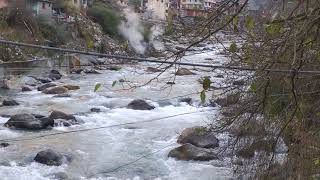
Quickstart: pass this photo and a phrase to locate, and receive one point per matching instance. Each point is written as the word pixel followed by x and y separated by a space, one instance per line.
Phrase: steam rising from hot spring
pixel 132 30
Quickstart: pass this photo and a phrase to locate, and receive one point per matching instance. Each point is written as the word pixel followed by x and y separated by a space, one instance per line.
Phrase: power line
pixel 5 42
pixel 134 161
pixel 98 128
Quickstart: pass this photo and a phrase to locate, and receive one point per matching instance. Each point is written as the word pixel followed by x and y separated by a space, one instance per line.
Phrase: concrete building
pixel 157 9
pixel 37 7
pixel 42 7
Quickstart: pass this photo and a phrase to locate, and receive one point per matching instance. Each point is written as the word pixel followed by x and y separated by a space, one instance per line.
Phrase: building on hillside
pixel 161 9
pixel 42 8
pixel 209 4
pixel 198 8
pixel 192 8
pixel 80 4
pixel 157 9
pixel 37 7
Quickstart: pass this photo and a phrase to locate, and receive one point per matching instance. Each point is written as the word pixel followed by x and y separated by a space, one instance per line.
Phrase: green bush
pixel 106 17
pixel 56 33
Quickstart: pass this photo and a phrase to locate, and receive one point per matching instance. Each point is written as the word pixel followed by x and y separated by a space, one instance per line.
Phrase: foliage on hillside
pixel 105 15
pixel 22 26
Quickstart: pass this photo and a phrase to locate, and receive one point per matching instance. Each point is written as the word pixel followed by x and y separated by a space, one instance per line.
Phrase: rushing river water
pixel 117 151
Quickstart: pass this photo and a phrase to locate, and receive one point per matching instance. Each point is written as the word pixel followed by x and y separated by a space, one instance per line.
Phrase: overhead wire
pixel 98 128
pixel 134 161
pixel 5 42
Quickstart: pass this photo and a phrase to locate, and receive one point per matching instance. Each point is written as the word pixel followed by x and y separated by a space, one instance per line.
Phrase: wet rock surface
pixel 46 86
pixel 62 96
pixel 28 122
pixel 61 115
pixel 186 100
pixel 191 152
pixel 25 88
pixel 95 110
pixel 55 75
pixel 198 136
pixel 63 119
pixel 184 72
pixel 139 104
pixel 50 157
pixel 153 70
pixel 55 90
pixel 4 144
pixel 10 102
pixel 71 87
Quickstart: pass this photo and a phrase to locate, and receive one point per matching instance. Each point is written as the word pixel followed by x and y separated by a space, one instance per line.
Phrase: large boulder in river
pixel 91 71
pixel 153 70
pixel 191 152
pixel 25 88
pixel 71 87
pixel 29 122
pixel 50 158
pixel 30 81
pixel 55 90
pixel 198 136
pixel 9 102
pixel 45 86
pixel 55 75
pixel 184 72
pixel 61 115
pixel 61 118
pixel 43 80
pixel 140 104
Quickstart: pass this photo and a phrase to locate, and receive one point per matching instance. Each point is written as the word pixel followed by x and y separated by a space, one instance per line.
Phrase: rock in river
pixel 95 110
pixel 61 118
pixel 198 136
pixel 184 72
pixel 25 88
pixel 50 158
pixel 140 104
pixel 55 75
pixel 191 152
pixel 62 96
pixel 71 87
pixel 55 90
pixel 29 122
pixel 9 102
pixel 153 70
pixel 45 86
pixel 4 144
pixel 61 115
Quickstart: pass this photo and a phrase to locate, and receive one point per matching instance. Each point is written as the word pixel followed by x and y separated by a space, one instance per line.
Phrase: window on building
pixel 43 5
pixel 76 1
pixel 161 1
pixel 49 5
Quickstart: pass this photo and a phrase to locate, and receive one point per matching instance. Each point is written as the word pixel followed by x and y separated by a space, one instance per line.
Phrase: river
pixel 137 151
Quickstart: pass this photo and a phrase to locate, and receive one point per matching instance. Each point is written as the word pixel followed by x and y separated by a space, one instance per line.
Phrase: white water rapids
pixel 104 150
